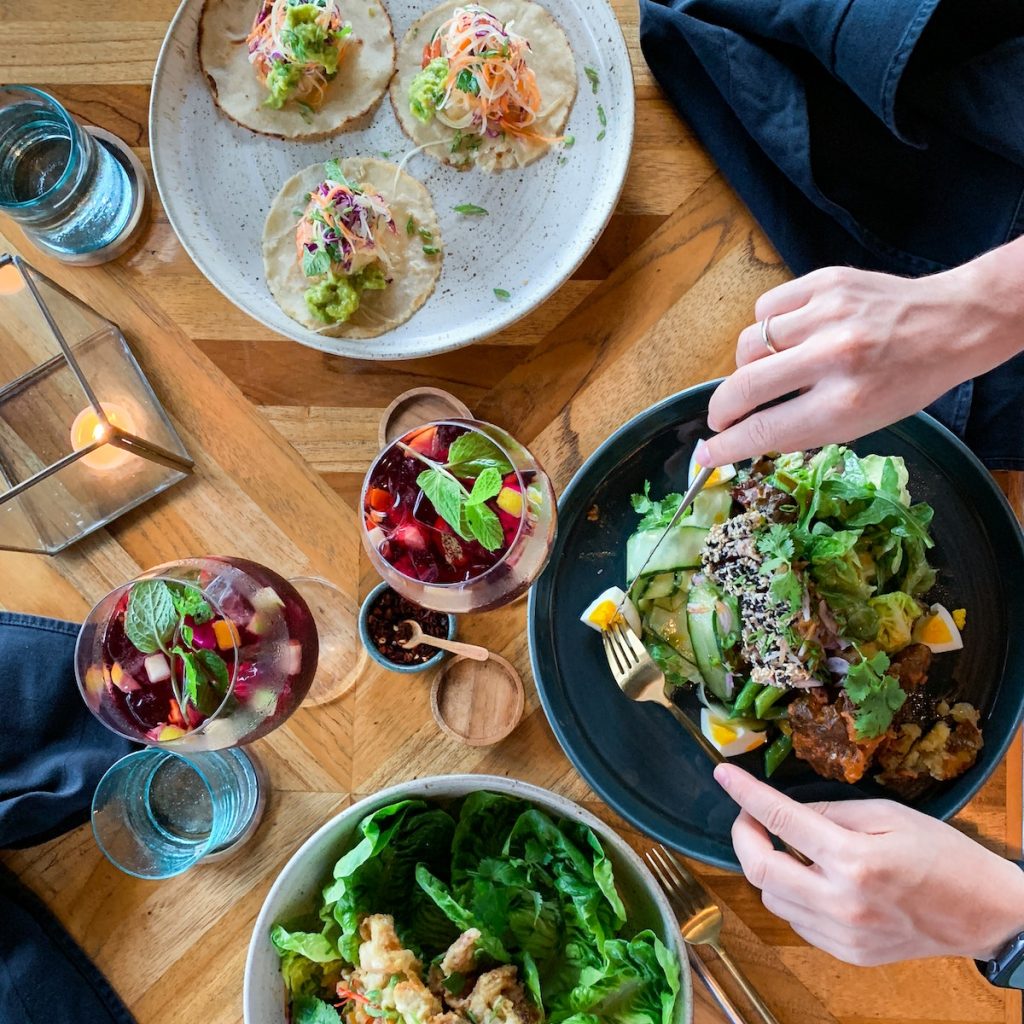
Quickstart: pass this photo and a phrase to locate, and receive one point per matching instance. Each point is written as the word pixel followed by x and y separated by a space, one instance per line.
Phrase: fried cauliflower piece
pixel 461 955
pixel 381 954
pixel 498 996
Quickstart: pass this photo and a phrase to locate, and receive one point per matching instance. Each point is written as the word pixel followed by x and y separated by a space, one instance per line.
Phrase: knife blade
pixel 688 498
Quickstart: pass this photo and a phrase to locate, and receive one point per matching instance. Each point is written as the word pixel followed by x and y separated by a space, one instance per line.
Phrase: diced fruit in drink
pixel 534 497
pixel 378 499
pixel 246 679
pixel 411 537
pixel 94 678
pixel 226 633
pixel 204 636
pixel 377 536
pixel 122 680
pixel 423 440
pixel 158 669
pixel 166 733
pixel 510 500
pixel 174 715
pixel 292 660
pixel 267 604
pixel 263 702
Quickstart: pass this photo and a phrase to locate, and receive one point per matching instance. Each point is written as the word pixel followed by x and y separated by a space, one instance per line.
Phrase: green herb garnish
pixel 466 82
pixel 333 172
pixel 878 696
pixel 503 294
pixel 430 250
pixel 315 263
pixel 470 210
pixel 410 226
pixel 305 111
pixel 602 116
pixel 592 77
pixel 568 142
pixel 151 617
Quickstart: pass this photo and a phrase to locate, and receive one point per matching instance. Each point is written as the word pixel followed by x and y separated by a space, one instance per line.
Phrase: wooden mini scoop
pixel 417 637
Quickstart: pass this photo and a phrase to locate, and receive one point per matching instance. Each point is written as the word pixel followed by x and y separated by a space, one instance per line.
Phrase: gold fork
pixel 640 679
pixel 700 918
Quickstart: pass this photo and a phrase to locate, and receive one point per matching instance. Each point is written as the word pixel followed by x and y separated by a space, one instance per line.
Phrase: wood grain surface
pixel 282 435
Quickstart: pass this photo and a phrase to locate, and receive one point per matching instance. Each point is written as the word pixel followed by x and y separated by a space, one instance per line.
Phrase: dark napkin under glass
pixel 881 134
pixel 53 752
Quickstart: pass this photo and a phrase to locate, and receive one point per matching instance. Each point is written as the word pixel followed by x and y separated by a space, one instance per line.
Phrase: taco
pixel 352 248
pixel 296 69
pixel 486 86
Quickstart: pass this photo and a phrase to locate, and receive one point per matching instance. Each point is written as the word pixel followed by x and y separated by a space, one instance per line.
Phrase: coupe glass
pixel 419 554
pixel 229 662
pixel 156 813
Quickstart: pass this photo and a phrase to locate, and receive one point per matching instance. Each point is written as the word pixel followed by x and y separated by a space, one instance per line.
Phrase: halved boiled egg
pixel 723 474
pixel 938 631
pixel 730 736
pixel 604 611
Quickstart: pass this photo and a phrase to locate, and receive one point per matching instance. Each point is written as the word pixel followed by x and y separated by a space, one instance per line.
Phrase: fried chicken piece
pixel 381 954
pixel 461 955
pixel 824 735
pixel 498 996
pixel 414 1001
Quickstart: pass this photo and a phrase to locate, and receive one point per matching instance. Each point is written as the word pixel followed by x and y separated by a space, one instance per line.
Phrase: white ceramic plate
pixel 217 180
pixel 298 887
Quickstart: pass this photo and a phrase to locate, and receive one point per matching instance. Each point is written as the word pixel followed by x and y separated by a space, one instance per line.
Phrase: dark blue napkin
pixel 52 754
pixel 881 134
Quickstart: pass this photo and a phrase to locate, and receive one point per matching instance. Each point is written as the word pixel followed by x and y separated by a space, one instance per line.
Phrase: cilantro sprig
pixel 876 694
pixel 471 457
pixel 656 514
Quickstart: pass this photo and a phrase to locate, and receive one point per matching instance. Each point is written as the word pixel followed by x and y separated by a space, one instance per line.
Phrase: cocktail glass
pixel 418 551
pixel 156 813
pixel 200 654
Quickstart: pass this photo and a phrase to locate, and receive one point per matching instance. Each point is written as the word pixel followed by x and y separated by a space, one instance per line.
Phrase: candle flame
pixel 88 429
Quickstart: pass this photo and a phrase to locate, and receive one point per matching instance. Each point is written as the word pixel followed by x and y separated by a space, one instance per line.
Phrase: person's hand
pixel 887 883
pixel 863 350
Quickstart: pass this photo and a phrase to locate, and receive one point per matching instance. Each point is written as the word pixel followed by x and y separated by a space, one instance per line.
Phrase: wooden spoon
pixel 417 636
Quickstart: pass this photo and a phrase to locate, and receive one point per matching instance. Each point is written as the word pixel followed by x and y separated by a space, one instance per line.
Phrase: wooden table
pixel 282 436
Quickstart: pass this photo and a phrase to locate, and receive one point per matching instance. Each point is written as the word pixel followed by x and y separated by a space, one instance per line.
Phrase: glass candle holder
pixel 83 437
pixel 156 814
pixel 73 193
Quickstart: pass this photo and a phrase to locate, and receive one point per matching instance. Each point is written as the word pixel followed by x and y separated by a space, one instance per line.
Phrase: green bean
pixel 745 698
pixel 777 752
pixel 766 698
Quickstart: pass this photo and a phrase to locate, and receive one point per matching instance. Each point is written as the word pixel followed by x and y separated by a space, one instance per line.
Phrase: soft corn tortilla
pixel 414 274
pixel 551 60
pixel 363 72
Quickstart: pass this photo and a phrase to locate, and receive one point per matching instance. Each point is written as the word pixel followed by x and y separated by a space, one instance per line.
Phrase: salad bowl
pixel 297 889
pixel 636 756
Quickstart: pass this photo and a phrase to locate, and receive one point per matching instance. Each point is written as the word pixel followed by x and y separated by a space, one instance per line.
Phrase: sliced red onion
pixel 837 666
pixel 730 684
pixel 724 616
pixel 806 605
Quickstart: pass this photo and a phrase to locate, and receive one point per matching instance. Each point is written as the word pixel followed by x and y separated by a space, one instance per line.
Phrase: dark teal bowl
pixel 637 757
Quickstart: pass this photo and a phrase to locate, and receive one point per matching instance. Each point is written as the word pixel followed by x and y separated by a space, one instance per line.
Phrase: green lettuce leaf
pixel 896 613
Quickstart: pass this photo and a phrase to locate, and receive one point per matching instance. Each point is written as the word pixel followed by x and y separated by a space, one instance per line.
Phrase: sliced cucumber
pixel 672 628
pixel 700 611
pixel 711 506
pixel 670 658
pixel 679 550
pixel 663 584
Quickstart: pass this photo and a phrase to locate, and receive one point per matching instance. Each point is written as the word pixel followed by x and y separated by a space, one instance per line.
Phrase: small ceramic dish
pixel 378 656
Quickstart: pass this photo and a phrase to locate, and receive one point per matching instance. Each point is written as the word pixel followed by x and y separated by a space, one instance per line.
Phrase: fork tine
pixel 682 876
pixel 624 645
pixel 611 652
pixel 634 642
pixel 681 895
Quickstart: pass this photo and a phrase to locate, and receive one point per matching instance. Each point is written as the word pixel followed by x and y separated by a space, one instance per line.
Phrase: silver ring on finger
pixel 766 337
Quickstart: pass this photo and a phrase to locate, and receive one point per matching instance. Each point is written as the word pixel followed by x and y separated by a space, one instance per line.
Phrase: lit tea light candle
pixel 88 428
pixel 10 280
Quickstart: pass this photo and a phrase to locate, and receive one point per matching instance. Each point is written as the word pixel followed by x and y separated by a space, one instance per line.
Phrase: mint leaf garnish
pixel 190 601
pixel 151 618
pixel 214 667
pixel 485 487
pixel 485 526
pixel 471 453
pixel 446 495
pixel 470 210
pixel 592 78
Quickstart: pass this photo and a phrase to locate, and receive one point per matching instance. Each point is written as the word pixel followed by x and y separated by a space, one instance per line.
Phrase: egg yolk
pixel 715 478
pixel 604 615
pixel 960 617
pixel 935 631
pixel 722 734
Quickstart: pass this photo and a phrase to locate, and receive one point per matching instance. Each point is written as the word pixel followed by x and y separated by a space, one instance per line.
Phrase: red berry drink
pixel 201 654
pixel 458 516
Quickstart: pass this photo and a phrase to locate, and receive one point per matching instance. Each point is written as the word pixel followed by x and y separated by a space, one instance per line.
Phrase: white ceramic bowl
pixel 217 180
pixel 298 887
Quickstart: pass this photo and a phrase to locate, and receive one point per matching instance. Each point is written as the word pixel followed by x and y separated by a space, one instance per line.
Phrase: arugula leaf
pixel 470 210
pixel 466 82
pixel 592 78
pixel 486 486
pixel 471 453
pixel 655 514
pixel 150 619
pixel 315 263
pixel 502 293
pixel 878 696
pixel 445 494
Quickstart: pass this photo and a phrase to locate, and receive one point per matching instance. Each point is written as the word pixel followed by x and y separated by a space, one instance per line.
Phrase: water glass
pixel 156 814
pixel 68 191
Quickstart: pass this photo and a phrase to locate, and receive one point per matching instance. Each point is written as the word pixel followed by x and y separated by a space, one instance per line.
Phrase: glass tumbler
pixel 156 814
pixel 68 192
